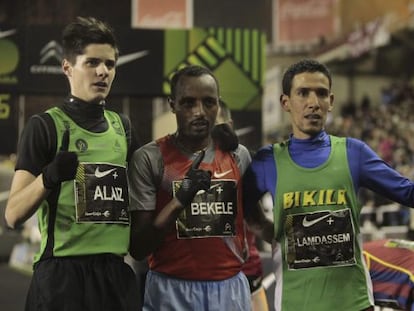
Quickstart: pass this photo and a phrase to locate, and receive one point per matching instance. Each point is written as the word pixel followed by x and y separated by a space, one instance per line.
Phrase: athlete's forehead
pixel 197 86
pixel 310 80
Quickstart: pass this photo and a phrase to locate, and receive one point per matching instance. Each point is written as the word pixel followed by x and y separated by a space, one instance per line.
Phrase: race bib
pixel 324 238
pixel 212 213
pixel 101 193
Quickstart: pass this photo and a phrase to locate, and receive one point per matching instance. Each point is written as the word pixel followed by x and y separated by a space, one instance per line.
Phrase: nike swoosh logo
pixel 99 174
pixel 308 223
pixel 4 34
pixel 209 190
pixel 244 130
pixel 124 59
pixel 220 175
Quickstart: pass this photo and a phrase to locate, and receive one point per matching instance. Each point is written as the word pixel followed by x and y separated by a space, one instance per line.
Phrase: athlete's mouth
pixel 101 84
pixel 199 124
pixel 313 116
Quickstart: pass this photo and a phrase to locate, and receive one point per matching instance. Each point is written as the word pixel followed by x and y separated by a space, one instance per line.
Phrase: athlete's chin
pixel 98 98
pixel 101 95
pixel 199 134
pixel 313 130
pixel 200 130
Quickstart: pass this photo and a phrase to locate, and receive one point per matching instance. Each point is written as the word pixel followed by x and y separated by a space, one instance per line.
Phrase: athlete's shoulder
pixel 351 142
pixel 264 152
pixel 146 160
pixel 242 150
pixel 357 145
pixel 243 157
pixel 42 127
pixel 147 150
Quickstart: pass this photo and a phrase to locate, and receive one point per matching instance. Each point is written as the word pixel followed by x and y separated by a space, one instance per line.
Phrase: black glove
pixel 224 136
pixel 63 167
pixel 193 181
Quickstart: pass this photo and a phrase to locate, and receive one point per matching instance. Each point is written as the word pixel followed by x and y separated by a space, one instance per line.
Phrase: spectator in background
pixel 314 179
pixel 227 139
pixel 71 171
pixel 186 211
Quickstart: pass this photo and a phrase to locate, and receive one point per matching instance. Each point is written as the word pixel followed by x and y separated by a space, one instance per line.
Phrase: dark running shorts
pixel 98 282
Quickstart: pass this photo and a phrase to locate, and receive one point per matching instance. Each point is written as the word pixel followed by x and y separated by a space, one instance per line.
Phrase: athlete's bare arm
pixel 26 194
pixel 259 224
pixel 148 231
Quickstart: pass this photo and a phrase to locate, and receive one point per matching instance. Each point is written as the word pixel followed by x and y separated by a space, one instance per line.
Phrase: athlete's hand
pixel 224 136
pixel 195 180
pixel 63 167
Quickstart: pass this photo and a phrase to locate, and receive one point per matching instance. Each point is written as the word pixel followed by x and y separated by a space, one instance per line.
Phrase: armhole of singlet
pixel 51 135
pixel 127 128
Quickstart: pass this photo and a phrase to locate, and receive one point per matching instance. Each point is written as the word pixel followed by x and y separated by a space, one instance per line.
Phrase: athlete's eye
pixel 93 62
pixel 322 92
pixel 110 64
pixel 303 92
pixel 210 102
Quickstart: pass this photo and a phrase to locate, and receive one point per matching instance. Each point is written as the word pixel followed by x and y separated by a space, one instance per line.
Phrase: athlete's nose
pixel 198 108
pixel 313 100
pixel 102 70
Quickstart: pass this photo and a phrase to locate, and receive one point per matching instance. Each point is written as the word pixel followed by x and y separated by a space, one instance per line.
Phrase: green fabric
pixel 316 218
pixel 70 234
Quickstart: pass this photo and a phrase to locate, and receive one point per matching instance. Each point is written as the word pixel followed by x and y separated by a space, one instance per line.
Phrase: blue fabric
pixel 368 170
pixel 166 293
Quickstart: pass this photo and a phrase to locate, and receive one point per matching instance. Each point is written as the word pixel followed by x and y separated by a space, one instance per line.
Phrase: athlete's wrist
pixel 178 205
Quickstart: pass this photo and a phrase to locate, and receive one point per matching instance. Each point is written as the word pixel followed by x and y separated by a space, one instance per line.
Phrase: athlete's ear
pixel 171 102
pixel 284 102
pixel 67 67
pixel 331 102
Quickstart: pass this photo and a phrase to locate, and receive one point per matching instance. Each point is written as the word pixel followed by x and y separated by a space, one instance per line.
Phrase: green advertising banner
pixel 9 59
pixel 236 56
pixel 8 123
pixel 147 60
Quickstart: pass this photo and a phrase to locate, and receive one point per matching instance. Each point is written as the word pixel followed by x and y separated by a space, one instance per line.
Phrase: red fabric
pixel 253 265
pixel 391 265
pixel 197 258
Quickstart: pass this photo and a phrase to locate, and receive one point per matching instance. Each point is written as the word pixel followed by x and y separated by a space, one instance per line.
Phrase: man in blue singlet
pixel 314 179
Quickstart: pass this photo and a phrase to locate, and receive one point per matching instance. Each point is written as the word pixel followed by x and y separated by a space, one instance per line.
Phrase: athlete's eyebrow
pixel 320 91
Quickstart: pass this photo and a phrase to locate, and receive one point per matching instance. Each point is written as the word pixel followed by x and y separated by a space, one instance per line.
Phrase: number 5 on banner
pixel 4 106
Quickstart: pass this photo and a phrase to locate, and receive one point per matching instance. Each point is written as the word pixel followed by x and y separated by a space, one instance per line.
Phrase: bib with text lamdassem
pixel 323 238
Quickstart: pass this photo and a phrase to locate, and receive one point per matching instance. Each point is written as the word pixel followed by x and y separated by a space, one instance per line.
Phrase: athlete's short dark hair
pixel 84 31
pixel 305 65
pixel 189 71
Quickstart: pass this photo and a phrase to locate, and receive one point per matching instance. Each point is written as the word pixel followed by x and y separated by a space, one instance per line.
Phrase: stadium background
pixel 367 44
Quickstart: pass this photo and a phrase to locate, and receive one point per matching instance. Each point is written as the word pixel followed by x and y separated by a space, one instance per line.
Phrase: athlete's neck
pixel 191 145
pixel 90 116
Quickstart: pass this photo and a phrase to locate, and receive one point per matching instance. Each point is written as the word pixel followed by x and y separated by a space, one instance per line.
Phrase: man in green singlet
pixel 71 171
